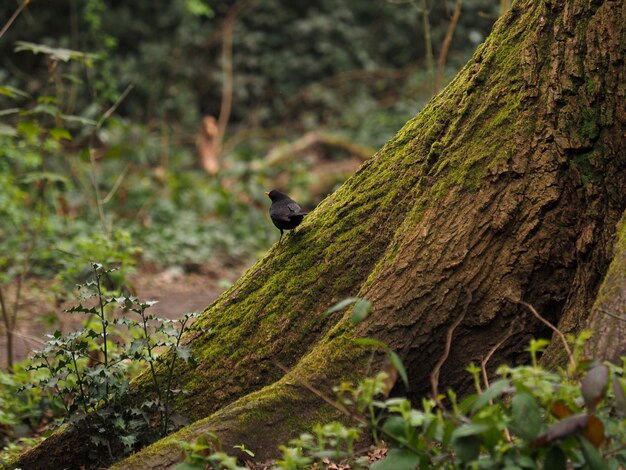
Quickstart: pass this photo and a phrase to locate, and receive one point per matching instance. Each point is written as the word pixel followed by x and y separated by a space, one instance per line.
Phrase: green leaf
pixel 128 441
pixel 470 429
pixel 48 176
pixel 55 53
pixel 28 129
pixel 397 459
pixel 620 397
pixel 394 428
pixel 555 459
pixel 526 461
pixel 594 384
pixel 243 448
pixel 396 362
pixel 526 416
pixel 467 448
pixel 7 130
pixel 12 92
pixel 79 119
pixel 199 8
pixel 183 352
pixel 495 390
pixel 59 133
pixel 190 466
pixel 341 305
pixel 592 456
pixel 360 311
pixel 562 429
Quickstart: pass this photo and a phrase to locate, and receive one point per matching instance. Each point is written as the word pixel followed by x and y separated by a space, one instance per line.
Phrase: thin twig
pixel 115 105
pixel 443 54
pixel 483 368
pixel 116 185
pixel 314 391
pixel 561 336
pixel 434 375
pixel 345 411
pixel 30 338
pixel 13 17
pixel 611 314
pixel 483 362
pixel 428 43
pixel 227 69
pixel 92 160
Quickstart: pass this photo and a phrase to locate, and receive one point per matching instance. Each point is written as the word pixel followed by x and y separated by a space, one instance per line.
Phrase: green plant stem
pixel 104 327
pixel 153 373
pixel 8 330
pixel 56 387
pixel 170 374
pixel 80 381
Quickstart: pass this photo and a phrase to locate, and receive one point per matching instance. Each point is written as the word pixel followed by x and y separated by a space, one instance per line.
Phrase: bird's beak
pixel 266 193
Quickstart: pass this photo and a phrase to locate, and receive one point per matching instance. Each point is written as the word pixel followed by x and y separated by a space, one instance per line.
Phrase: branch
pixel 107 114
pixel 443 54
pixel 434 375
pixel 14 16
pixel 483 362
pixel 561 336
pixel 227 69
pixel 428 42
pixel 313 138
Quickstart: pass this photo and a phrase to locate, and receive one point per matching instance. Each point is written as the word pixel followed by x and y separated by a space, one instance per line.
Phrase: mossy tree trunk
pixel 507 186
pixel 607 320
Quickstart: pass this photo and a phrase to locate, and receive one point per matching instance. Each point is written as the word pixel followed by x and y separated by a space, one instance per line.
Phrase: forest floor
pixel 176 291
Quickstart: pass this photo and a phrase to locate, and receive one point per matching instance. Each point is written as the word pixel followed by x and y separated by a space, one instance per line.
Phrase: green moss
pixel 586 169
pixel 589 128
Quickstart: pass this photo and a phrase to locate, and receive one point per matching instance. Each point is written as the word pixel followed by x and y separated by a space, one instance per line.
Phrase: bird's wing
pixel 294 208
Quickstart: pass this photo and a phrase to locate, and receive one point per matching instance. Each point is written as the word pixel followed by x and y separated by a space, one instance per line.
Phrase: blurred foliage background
pixel 345 75
pixel 142 134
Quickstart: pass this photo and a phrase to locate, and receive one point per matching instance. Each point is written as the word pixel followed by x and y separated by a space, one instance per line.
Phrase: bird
pixel 286 214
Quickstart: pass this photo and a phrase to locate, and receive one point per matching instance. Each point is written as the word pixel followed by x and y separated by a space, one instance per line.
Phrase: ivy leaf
pixel 128 441
pixel 184 353
pixel 594 384
pixel 562 429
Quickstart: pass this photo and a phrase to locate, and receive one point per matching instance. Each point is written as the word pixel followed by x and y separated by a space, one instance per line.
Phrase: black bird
pixel 285 212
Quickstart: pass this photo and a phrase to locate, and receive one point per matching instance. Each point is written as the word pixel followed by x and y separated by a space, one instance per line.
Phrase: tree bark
pixel 607 320
pixel 507 186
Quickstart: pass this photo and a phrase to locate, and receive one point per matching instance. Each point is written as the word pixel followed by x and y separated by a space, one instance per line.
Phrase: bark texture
pixel 507 186
pixel 608 316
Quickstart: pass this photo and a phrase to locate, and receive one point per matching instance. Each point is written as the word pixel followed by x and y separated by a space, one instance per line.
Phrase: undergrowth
pixel 529 417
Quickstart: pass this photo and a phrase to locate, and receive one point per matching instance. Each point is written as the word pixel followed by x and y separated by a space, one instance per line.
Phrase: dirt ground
pixel 177 292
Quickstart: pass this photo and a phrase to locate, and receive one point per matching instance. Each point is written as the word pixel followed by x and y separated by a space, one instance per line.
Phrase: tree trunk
pixel 608 316
pixel 506 187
